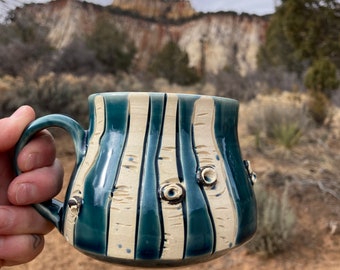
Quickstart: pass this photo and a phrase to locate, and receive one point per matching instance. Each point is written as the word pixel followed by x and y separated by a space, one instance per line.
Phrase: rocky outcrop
pixel 164 9
pixel 65 19
pixel 213 41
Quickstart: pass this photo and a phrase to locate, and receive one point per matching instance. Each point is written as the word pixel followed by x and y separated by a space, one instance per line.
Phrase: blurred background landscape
pixel 282 67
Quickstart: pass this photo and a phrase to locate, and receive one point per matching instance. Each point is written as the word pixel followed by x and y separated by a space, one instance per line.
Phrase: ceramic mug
pixel 158 180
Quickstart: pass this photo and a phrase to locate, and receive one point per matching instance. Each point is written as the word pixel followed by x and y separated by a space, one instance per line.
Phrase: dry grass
pixel 282 119
pixel 276 220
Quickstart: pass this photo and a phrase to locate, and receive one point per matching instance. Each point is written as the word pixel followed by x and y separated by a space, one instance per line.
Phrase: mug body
pixel 162 181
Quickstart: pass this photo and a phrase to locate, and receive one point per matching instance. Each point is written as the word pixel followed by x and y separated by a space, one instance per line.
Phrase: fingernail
pixel 37 240
pixel 32 161
pixel 25 194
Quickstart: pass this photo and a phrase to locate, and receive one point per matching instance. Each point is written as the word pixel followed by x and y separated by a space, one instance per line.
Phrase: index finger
pixel 12 127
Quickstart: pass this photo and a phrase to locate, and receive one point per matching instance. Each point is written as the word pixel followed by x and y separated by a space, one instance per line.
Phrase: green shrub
pixel 276 222
pixel 322 77
pixel 24 47
pixel 318 107
pixel 172 64
pixel 113 49
pixel 78 59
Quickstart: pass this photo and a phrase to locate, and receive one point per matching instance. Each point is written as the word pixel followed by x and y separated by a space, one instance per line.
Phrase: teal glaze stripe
pixel 199 231
pixel 74 173
pixel 149 228
pixel 99 180
pixel 89 219
pixel 118 113
pixel 181 175
pixel 227 139
pixel 87 164
pixel 206 200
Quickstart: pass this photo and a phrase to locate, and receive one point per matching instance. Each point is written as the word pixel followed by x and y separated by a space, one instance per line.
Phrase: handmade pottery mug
pixel 158 180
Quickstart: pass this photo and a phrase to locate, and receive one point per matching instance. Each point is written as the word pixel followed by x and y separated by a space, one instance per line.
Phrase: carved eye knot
pixel 74 204
pixel 174 193
pixel 207 176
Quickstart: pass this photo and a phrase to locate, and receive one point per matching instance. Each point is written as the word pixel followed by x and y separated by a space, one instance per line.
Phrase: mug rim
pixel 221 98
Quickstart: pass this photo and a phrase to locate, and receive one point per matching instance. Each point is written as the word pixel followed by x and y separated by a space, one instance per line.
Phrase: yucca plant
pixel 279 121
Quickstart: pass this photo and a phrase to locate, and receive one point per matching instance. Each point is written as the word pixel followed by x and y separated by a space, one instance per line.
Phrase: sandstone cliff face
pixel 64 18
pixel 212 41
pixel 165 9
pixel 223 40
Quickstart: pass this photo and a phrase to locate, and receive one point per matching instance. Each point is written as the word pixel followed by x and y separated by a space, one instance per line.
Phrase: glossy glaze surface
pixel 159 179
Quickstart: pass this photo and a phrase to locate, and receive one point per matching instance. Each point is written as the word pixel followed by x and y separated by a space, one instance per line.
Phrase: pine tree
pixel 173 64
pixel 300 32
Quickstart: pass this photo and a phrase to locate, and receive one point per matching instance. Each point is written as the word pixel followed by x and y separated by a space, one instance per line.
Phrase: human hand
pixel 21 226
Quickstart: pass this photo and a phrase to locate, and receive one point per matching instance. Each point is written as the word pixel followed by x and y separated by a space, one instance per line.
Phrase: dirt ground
pixel 313 170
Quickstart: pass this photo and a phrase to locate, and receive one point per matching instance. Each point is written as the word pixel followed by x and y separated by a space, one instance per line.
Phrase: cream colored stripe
pixel 220 201
pixel 172 214
pixel 123 212
pixel 86 165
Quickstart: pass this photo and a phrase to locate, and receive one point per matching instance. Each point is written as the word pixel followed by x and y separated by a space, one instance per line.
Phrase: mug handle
pixel 53 209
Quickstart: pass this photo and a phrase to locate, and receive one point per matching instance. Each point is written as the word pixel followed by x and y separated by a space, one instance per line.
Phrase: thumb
pixel 12 127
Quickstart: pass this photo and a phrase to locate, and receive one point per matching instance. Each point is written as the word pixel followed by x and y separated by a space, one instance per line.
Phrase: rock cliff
pixel 165 9
pixel 213 41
